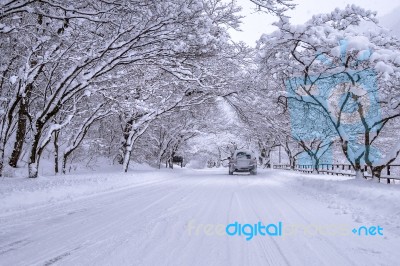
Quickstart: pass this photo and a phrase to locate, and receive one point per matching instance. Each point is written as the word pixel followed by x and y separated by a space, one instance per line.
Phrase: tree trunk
pixel 292 162
pixel 265 158
pixel 269 158
pixel 159 159
pixel 359 171
pixel 127 156
pixel 33 163
pixel 170 163
pixel 1 160
pixel 171 160
pixel 129 137
pixel 33 160
pixel 33 169
pixel 21 128
pixel 64 163
pixel 359 174
pixel 56 148
pixel 316 164
pixel 19 140
pixel 65 160
pixel 376 173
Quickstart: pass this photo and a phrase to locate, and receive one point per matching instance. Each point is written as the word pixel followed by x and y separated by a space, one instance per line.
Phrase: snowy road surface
pixel 145 222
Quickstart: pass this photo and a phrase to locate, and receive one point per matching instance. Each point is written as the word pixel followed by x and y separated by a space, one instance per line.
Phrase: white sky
pixel 256 23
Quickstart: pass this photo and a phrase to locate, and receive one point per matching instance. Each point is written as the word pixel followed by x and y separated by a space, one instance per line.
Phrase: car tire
pixel 253 172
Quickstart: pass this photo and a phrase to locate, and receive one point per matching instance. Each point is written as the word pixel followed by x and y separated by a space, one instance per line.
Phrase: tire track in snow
pixel 185 246
pixel 58 225
pixel 281 203
pixel 322 239
pixel 271 254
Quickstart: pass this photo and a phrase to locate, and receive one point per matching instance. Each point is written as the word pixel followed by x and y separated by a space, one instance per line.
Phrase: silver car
pixel 243 161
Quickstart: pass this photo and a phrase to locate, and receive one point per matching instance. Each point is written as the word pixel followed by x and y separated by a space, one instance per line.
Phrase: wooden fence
pixel 390 172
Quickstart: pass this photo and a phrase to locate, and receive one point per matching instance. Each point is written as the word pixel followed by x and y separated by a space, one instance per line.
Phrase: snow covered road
pixel 174 218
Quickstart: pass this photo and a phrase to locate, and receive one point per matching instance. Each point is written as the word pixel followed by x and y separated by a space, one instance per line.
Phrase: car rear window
pixel 243 155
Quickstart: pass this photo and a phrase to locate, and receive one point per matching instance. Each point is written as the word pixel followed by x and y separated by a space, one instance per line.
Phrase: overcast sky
pixel 255 23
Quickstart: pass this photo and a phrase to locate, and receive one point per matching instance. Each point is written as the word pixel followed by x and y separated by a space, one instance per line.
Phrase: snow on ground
pixel 22 193
pixel 178 217
pixel 365 200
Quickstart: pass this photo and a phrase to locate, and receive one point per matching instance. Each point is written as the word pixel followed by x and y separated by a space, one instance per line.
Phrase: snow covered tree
pixel 89 113
pixel 67 50
pixel 330 64
pixel 168 134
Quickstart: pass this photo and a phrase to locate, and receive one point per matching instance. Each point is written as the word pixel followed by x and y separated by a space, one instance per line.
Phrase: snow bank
pixel 21 193
pixel 365 200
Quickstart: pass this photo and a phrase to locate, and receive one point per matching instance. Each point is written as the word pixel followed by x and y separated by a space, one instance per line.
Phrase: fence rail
pixel 390 172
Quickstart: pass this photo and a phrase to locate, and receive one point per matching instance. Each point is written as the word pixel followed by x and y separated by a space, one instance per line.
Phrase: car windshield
pixel 243 155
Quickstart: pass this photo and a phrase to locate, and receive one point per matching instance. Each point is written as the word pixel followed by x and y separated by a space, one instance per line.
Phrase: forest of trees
pixel 145 81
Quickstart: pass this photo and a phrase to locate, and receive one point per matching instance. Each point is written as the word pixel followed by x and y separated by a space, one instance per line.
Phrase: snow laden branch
pixel 99 112
pixel 276 7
